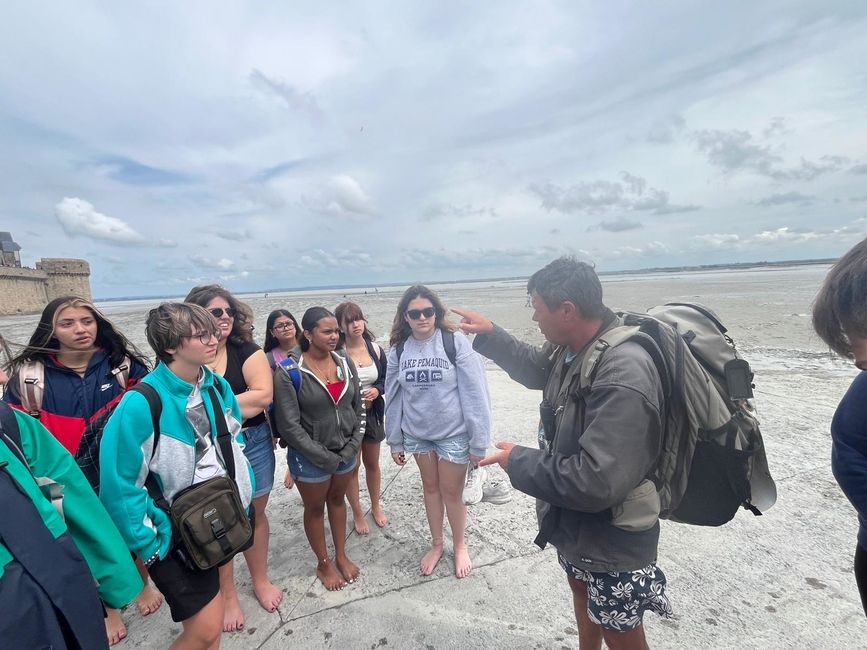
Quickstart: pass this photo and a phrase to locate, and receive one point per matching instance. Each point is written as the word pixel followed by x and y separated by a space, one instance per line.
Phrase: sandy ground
pixel 783 580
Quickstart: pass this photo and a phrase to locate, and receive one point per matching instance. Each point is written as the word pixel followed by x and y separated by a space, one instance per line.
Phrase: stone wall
pixel 66 277
pixel 22 290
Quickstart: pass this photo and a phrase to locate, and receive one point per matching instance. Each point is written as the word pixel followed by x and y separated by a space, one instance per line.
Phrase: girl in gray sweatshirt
pixel 437 409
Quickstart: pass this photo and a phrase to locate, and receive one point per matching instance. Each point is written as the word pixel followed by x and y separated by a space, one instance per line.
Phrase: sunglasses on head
pixel 415 314
pixel 217 312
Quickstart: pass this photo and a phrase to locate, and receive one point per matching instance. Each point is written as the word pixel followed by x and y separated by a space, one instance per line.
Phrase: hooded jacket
pixel 604 445
pixel 127 456
pixel 310 421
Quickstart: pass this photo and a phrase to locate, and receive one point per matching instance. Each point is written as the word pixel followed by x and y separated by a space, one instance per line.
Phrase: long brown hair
pixel 204 294
pixel 400 329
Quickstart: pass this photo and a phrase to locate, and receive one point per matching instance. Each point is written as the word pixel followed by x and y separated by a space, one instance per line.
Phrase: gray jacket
pixel 604 445
pixel 312 424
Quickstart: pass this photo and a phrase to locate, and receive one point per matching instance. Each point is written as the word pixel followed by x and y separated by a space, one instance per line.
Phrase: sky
pixel 283 145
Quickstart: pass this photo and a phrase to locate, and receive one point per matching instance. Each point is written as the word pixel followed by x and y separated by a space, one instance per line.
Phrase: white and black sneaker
pixel 497 492
pixel 473 487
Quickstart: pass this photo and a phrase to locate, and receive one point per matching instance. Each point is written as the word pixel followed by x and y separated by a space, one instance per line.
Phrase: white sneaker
pixel 497 492
pixel 473 487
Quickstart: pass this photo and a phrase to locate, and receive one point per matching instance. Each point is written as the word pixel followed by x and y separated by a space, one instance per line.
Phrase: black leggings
pixel 861 574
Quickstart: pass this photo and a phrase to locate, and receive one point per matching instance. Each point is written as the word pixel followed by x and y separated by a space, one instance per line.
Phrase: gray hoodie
pixel 430 399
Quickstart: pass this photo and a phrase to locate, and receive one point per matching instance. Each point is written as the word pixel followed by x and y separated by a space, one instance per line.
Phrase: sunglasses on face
pixel 415 314
pixel 282 327
pixel 205 337
pixel 217 312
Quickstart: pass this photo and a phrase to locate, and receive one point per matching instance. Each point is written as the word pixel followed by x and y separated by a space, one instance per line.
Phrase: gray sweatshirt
pixel 432 400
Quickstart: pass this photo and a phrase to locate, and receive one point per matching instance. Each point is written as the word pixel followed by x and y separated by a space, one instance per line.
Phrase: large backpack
pixel 713 459
pixel 31 383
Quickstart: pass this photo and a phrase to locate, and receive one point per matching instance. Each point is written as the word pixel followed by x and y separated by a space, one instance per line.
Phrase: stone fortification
pixel 24 290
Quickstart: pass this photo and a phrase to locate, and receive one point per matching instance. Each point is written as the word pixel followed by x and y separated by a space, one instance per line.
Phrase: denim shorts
pixel 303 469
pixel 259 450
pixel 617 601
pixel 454 450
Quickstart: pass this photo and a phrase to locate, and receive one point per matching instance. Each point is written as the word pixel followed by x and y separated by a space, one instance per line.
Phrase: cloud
pixel 620 224
pixel 777 238
pixel 859 169
pixel 222 264
pixel 593 197
pixel 131 172
pixel 858 199
pixel 785 198
pixel 736 150
pixel 441 210
pixel 341 196
pixel 777 126
pixel 80 218
pixel 302 102
pixel 666 130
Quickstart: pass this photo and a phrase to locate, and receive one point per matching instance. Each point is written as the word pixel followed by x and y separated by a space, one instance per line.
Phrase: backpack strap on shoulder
pixel 122 372
pixel 224 438
pixel 610 339
pixel 449 345
pixel 156 409
pixel 31 386
pixel 290 367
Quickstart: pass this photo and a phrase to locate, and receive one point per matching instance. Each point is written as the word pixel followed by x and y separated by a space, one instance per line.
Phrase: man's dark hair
pixel 840 310
pixel 568 279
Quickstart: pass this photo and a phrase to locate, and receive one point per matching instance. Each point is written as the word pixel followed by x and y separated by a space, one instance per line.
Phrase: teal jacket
pixel 127 456
pixel 87 522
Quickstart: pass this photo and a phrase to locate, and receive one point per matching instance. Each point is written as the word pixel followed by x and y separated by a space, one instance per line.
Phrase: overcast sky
pixel 269 145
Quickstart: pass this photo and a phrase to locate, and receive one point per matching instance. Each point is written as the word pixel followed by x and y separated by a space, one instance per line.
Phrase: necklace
pixel 326 374
pixel 360 357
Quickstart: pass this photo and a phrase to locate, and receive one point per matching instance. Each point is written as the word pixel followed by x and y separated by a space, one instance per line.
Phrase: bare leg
pixel 632 640
pixel 313 496
pixel 149 599
pixel 337 520
pixel 433 507
pixel 452 478
pixel 233 615
pixel 115 630
pixel 370 457
pixel 267 594
pixel 589 633
pixel 202 630
pixel 352 493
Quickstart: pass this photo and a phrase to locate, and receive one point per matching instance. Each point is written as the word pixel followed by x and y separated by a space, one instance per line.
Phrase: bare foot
pixel 429 561
pixel 361 526
pixel 379 517
pixel 463 564
pixel 148 600
pixel 233 615
pixel 288 481
pixel 329 576
pixel 348 568
pixel 115 630
pixel 268 595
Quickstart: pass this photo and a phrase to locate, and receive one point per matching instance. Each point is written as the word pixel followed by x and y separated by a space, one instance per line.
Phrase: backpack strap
pixel 122 372
pixel 290 367
pixel 156 408
pixel 31 386
pixel 448 345
pixel 224 438
pixel 610 339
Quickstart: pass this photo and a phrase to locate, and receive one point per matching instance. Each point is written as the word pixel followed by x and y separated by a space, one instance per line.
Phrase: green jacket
pixel 87 522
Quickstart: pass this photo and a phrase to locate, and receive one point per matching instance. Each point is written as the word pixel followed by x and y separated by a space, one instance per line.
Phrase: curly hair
pixel 204 294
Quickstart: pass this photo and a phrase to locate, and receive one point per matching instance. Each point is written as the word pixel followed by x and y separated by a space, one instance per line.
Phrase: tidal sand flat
pixel 783 580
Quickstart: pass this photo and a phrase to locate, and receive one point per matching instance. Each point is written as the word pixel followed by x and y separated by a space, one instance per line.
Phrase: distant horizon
pixel 364 285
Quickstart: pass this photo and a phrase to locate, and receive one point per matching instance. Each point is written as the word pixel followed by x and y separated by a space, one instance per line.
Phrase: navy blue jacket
pixel 849 451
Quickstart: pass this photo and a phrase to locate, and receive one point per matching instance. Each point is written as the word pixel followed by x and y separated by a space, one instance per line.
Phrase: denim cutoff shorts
pixel 302 468
pixel 454 450
pixel 259 450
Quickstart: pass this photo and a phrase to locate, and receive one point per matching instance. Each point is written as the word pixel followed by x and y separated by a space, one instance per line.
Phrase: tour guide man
pixel 595 452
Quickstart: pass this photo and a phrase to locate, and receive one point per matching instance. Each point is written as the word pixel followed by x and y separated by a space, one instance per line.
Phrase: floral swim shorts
pixel 617 601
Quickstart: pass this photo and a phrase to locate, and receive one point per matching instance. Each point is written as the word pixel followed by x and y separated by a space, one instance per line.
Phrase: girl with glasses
pixel 439 412
pixel 322 422
pixel 359 345
pixel 76 349
pixel 243 364
pixel 282 335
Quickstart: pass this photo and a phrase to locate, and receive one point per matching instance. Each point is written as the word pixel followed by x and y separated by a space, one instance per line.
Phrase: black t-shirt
pixel 236 355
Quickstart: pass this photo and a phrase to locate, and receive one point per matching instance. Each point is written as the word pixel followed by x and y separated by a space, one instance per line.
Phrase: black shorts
pixel 186 591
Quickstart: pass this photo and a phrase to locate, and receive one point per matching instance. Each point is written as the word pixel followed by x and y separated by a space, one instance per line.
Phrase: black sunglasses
pixel 415 314
pixel 284 326
pixel 217 312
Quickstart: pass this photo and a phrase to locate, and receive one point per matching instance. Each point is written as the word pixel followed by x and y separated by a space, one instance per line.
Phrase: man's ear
pixel 570 310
